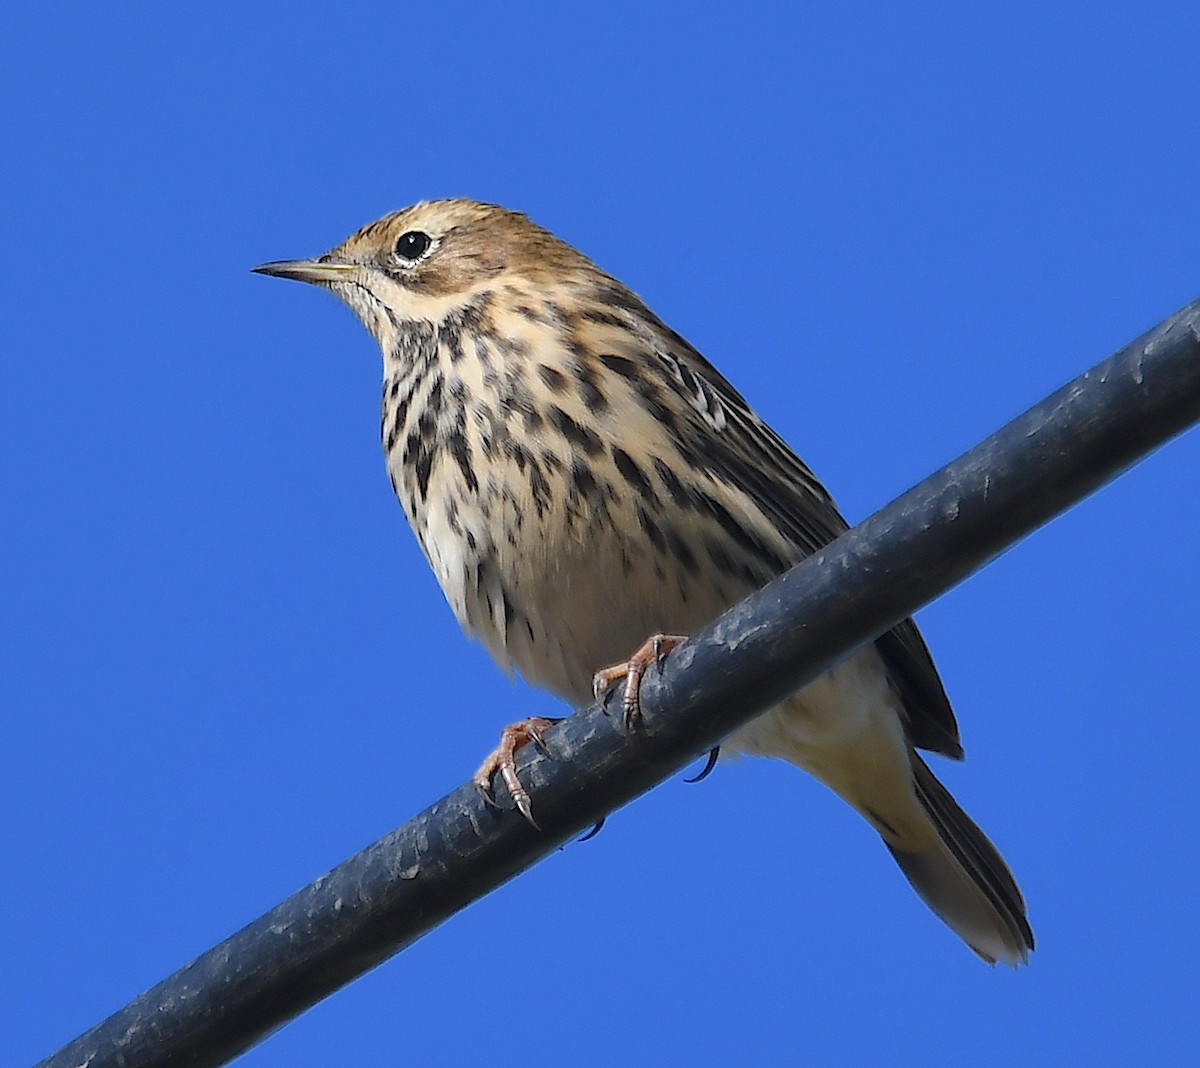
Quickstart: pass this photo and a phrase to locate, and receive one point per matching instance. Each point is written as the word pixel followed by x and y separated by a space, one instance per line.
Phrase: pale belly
pixel 572 597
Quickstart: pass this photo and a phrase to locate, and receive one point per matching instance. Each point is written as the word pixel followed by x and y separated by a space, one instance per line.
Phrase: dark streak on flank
pixel 460 449
pixel 587 380
pixel 725 563
pixel 518 454
pixel 483 352
pixel 397 417
pixel 423 467
pixel 604 318
pixel 427 428
pixel 633 474
pixel 515 397
pixel 553 378
pixel 540 489
pixel 651 529
pixel 583 484
pixel 680 495
pixel 744 538
pixel 576 434
pixel 651 397
pixel 434 400
pixel 621 365
pixel 511 347
pixel 681 552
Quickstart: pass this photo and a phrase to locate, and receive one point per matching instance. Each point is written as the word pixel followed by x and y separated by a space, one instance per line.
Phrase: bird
pixel 585 484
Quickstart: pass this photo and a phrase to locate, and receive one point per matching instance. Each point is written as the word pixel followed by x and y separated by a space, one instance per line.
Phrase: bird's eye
pixel 411 246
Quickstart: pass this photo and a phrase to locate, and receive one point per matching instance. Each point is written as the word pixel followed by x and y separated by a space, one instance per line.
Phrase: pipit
pixel 580 477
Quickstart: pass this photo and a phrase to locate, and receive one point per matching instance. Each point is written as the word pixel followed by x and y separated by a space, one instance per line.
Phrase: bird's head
pixel 429 260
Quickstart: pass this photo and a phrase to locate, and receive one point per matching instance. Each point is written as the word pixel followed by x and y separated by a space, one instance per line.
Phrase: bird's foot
pixel 653 652
pixel 503 759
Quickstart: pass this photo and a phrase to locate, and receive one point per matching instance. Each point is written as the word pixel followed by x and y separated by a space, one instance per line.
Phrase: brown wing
pixel 738 446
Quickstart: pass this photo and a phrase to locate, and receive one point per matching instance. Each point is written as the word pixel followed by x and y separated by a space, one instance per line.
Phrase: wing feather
pixel 740 449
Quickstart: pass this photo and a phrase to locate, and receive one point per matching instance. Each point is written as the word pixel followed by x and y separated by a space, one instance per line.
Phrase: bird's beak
pixel 319 272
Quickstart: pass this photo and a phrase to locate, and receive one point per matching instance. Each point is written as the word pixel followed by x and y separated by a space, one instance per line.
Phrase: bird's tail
pixel 963 878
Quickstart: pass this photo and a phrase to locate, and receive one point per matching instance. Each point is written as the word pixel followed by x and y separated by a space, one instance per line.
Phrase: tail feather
pixel 963 878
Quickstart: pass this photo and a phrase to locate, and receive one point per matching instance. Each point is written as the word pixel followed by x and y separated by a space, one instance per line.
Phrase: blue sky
pixel 893 231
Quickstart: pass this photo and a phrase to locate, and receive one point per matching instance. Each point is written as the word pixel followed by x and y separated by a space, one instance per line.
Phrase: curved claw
pixel 502 760
pixel 654 651
pixel 525 807
pixel 489 798
pixel 594 831
pixel 536 728
pixel 713 753
pixel 601 681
